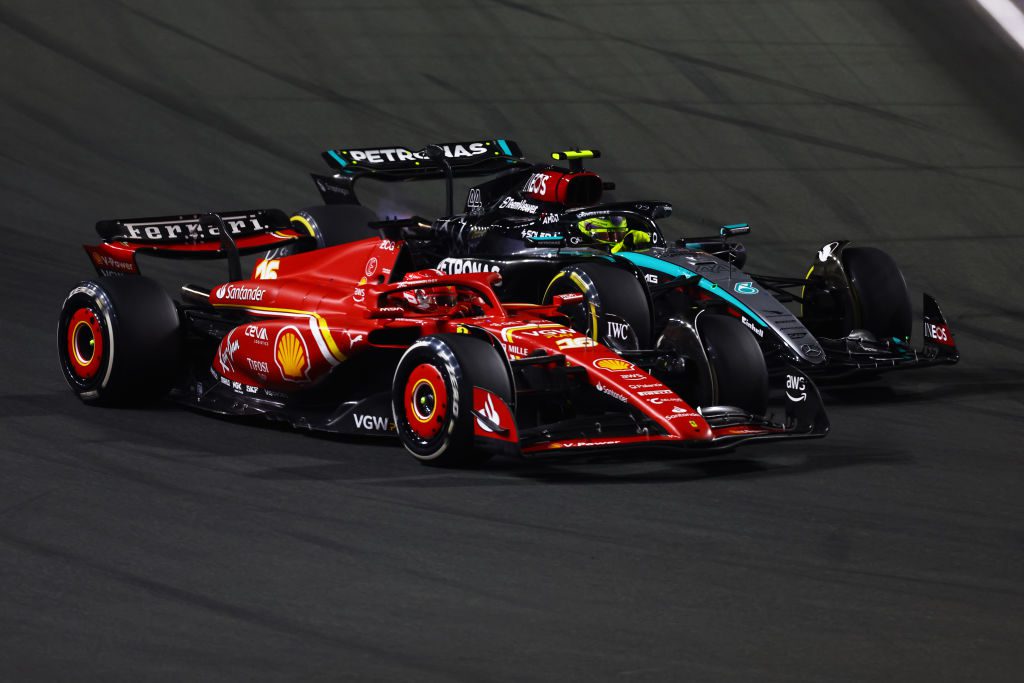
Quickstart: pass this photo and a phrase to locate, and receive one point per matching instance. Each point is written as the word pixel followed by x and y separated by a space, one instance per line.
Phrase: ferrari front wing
pixel 803 417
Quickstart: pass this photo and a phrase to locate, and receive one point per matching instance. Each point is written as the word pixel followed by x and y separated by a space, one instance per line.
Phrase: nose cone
pixel 624 381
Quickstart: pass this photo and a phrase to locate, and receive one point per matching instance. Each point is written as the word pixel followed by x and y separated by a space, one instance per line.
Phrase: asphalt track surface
pixel 160 544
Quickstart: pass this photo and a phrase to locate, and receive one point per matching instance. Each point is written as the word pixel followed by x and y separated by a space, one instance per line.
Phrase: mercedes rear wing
pixel 467 159
pixel 398 164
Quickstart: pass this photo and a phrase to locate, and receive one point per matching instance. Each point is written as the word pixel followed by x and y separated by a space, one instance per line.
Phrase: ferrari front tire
pixel 118 340
pixel 432 397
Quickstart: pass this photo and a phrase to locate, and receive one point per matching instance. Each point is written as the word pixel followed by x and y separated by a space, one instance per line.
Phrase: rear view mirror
pixel 567 299
pixel 557 241
pixel 734 230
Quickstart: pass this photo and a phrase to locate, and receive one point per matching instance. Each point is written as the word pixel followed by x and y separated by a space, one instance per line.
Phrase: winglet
pixel 938 338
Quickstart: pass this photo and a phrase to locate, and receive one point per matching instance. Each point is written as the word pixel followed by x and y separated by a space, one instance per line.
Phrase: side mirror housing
pixel 556 241
pixel 734 230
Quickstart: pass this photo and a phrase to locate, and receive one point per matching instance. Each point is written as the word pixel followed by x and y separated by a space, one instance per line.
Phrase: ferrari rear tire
pixel 432 397
pixel 611 296
pixel 118 340
pixel 336 223
pixel 880 294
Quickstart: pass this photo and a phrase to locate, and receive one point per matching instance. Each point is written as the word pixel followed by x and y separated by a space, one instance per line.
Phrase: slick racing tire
pixel 724 364
pixel 738 371
pixel 880 296
pixel 611 296
pixel 432 397
pixel 119 340
pixel 336 223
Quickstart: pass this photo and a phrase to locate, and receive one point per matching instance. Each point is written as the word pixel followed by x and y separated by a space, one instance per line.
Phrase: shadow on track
pixel 605 470
pixel 962 384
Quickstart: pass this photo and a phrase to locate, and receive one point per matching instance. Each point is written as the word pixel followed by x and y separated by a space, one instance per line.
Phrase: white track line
pixel 1008 15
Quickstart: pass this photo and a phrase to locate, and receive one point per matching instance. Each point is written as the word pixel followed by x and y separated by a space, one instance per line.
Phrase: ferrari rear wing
pixel 192 229
pixel 192 236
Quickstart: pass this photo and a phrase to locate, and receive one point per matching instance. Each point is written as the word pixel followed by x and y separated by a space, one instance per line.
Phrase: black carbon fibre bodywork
pixel 505 228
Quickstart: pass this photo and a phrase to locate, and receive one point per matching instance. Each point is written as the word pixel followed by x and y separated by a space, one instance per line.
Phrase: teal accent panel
pixel 336 157
pixel 673 270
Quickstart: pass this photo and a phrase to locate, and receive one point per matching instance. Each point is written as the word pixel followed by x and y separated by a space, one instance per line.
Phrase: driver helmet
pixel 614 230
pixel 427 298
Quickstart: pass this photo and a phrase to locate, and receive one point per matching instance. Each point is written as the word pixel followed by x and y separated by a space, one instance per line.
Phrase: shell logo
pixel 614 364
pixel 291 355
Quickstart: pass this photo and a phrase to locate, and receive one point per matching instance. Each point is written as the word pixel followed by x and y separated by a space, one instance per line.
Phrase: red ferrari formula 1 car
pixel 349 339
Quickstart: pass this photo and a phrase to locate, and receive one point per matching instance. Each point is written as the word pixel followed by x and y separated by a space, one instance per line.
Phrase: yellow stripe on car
pixel 325 330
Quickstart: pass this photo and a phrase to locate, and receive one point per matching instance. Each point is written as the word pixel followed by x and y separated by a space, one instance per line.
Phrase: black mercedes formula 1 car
pixel 544 228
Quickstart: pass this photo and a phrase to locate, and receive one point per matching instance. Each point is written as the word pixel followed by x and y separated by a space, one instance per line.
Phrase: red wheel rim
pixel 426 401
pixel 85 343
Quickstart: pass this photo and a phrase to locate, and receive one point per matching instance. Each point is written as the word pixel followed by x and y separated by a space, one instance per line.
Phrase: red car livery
pixel 357 339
